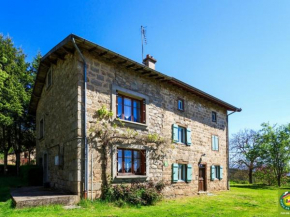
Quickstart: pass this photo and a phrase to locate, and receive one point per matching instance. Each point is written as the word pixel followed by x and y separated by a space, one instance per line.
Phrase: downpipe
pixel 85 193
pixel 228 150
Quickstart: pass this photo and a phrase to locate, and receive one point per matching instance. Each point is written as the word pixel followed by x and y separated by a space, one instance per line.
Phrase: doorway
pixel 45 168
pixel 202 177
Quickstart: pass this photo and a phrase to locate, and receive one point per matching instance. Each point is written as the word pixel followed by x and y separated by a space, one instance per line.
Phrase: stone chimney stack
pixel 149 61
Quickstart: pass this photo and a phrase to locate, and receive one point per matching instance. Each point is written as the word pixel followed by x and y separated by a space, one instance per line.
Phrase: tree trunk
pixel 279 180
pixel 29 157
pixel 251 175
pixel 18 162
pixel 5 161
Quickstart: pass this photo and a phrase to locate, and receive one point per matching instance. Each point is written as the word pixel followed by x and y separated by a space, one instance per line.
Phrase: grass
pixel 241 200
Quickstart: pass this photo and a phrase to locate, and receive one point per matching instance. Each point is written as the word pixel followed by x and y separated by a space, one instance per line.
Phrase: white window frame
pixel 183 136
pixel 133 94
pixel 182 172
pixel 216 145
pixel 217 171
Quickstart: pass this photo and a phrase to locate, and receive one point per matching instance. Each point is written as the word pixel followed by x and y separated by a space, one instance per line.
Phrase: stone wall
pixel 58 106
pixel 162 112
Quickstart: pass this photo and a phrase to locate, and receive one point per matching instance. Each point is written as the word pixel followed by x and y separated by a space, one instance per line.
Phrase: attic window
pixel 181 105
pixel 49 78
pixel 213 116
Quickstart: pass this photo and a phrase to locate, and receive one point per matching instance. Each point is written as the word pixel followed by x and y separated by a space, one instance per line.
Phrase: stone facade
pixel 60 106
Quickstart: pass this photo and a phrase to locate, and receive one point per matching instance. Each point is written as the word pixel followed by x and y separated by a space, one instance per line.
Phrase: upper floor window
pixel 181 134
pixel 131 162
pixel 41 129
pixel 213 116
pixel 180 105
pixel 49 78
pixel 215 142
pixel 130 109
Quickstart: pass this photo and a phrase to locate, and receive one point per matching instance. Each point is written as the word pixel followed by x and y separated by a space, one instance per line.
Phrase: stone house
pixel 78 77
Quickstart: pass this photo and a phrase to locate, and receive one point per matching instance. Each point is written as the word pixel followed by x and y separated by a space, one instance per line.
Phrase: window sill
pixel 131 124
pixel 132 177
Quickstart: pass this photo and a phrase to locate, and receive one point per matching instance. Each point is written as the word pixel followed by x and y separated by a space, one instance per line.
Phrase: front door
pixel 201 178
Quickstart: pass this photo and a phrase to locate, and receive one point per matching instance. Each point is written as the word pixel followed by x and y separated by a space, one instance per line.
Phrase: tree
pixel 16 83
pixel 276 145
pixel 246 151
pixel 12 91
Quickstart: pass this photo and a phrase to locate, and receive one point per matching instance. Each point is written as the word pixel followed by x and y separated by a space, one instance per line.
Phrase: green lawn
pixel 241 200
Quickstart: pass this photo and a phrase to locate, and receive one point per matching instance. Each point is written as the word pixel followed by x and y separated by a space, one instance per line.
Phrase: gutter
pixel 228 148
pixel 86 177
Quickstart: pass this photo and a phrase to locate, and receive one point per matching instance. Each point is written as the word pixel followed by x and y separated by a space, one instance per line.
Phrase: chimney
pixel 149 61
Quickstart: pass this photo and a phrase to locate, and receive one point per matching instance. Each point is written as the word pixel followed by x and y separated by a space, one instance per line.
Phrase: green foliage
pixel 265 175
pixel 13 78
pixel 104 113
pixel 135 194
pixel 276 149
pixel 16 83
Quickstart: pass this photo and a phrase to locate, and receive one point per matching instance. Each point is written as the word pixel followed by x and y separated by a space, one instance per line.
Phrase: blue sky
pixel 238 51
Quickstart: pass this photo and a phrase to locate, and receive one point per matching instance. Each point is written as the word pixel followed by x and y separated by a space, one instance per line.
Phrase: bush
pixel 32 173
pixel 135 194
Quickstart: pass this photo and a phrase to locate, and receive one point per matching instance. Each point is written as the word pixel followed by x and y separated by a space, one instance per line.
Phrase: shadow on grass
pixel 8 182
pixel 259 186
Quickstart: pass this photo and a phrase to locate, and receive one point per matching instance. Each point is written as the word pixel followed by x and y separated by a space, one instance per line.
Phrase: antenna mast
pixel 143 39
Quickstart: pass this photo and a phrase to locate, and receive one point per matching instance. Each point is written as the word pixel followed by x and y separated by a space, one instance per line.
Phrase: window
pixel 181 172
pixel 215 142
pixel 41 129
pixel 213 116
pixel 130 109
pixel 49 78
pixel 131 162
pixel 216 172
pixel 181 134
pixel 181 105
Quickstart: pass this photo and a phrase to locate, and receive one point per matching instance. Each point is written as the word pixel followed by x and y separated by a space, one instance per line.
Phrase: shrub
pixel 32 173
pixel 135 194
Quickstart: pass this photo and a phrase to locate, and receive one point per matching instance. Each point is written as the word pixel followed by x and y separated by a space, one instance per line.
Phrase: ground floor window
pixel 216 172
pixel 131 162
pixel 181 172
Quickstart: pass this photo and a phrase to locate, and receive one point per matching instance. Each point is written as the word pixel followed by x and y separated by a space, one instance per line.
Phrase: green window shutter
pixel 221 172
pixel 174 172
pixel 213 142
pixel 216 143
pixel 212 172
pixel 174 133
pixel 188 136
pixel 189 173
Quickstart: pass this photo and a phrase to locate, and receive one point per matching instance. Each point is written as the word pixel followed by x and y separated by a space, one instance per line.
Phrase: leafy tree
pixel 16 82
pixel 246 151
pixel 266 175
pixel 276 145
